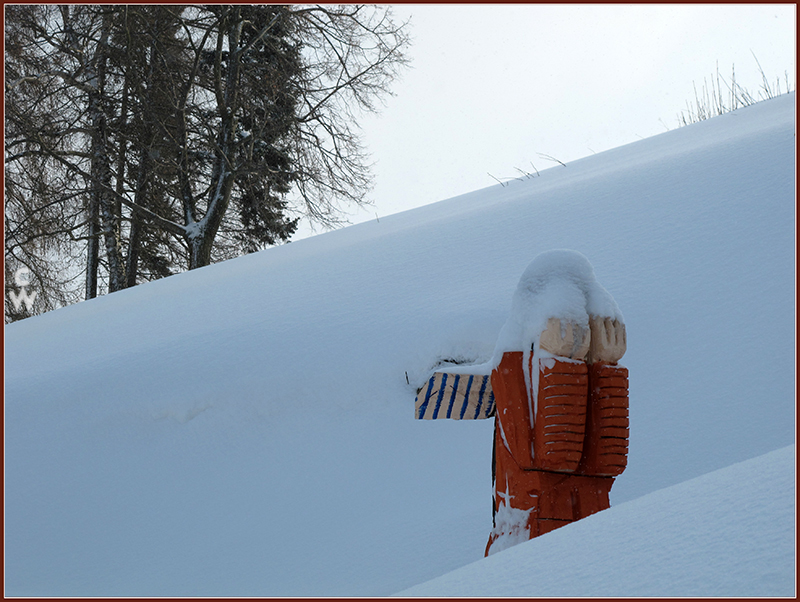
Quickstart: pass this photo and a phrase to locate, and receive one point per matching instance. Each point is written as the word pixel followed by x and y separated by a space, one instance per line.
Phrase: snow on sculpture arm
pixel 558 308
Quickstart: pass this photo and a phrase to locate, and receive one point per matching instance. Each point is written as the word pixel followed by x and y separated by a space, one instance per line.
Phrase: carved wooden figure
pixel 561 410
pixel 560 466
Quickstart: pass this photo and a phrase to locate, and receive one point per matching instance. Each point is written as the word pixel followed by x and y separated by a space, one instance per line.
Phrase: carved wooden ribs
pixel 561 468
pixel 605 450
pixel 560 423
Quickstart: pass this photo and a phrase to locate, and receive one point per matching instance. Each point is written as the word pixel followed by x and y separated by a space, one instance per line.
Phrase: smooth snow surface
pixel 702 537
pixel 247 429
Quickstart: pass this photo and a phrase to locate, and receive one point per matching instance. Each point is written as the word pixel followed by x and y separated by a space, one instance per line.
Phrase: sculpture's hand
pixel 609 340
pixel 572 343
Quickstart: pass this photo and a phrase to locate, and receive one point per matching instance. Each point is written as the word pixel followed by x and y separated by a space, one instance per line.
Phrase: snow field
pixel 247 428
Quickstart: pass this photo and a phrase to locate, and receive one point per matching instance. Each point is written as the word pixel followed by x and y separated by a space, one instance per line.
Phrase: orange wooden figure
pixel 559 444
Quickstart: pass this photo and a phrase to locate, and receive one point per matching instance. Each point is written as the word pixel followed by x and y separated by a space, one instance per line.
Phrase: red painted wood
pixel 605 450
pixel 511 407
pixel 579 440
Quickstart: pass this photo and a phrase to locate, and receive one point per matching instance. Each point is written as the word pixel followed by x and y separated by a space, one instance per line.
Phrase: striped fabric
pixel 456 396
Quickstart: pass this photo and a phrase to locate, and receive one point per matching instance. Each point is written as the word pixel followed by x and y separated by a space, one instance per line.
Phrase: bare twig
pixel 498 181
pixel 549 158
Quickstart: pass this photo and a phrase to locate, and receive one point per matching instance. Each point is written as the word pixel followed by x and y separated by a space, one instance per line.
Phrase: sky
pixel 493 89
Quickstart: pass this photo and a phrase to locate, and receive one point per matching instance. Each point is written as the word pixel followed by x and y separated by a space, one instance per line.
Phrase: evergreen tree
pixel 143 140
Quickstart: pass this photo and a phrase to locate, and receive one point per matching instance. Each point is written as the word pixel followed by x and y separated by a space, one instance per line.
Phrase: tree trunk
pixel 101 163
pixel 201 238
pixel 140 198
pixel 132 261
pixel 92 250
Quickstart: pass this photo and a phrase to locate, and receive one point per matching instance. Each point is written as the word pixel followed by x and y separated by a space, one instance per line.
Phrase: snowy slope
pixel 707 539
pixel 247 428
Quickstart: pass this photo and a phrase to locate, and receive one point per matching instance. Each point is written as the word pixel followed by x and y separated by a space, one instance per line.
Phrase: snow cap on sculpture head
pixel 558 284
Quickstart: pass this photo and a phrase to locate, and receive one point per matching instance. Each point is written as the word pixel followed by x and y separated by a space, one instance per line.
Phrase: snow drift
pixel 248 428
pixel 707 540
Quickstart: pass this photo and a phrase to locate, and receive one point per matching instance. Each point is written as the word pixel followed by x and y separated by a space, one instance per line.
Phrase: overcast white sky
pixel 491 87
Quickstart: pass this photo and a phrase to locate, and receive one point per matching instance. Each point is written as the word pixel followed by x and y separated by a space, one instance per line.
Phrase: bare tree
pixel 174 136
pixel 45 203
